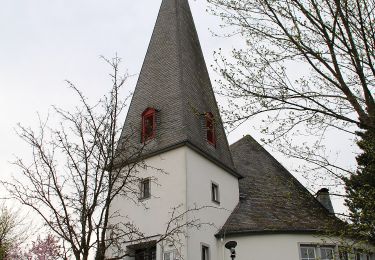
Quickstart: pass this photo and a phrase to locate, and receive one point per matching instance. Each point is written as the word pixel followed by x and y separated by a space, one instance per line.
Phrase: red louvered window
pixel 210 128
pixel 148 124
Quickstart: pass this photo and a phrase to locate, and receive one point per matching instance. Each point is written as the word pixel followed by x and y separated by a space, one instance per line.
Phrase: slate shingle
pixel 174 80
pixel 272 200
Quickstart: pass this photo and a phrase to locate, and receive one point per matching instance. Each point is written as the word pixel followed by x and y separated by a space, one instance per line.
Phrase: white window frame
pixel 172 253
pixel 317 250
pixel 308 247
pixel 326 247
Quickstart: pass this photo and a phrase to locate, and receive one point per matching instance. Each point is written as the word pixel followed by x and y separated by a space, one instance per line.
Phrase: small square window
pixel 308 253
pixel 146 254
pixel 353 254
pixel 314 252
pixel 171 255
pixel 343 255
pixel 145 189
pixel 168 256
pixel 326 253
pixel 205 252
pixel 215 192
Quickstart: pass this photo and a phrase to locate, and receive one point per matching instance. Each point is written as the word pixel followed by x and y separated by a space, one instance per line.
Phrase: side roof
pixel 272 200
pixel 174 80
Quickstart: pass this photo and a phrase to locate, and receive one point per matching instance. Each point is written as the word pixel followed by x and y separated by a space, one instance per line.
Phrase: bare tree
pixel 334 41
pixel 72 180
pixel 77 171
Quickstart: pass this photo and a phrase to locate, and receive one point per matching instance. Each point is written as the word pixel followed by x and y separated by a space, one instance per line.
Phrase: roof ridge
pixel 181 80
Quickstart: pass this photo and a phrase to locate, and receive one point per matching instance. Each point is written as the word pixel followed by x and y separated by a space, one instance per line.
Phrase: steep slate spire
pixel 174 80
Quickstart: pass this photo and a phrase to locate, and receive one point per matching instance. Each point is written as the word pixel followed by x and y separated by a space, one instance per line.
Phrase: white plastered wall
pixel 200 174
pixel 186 181
pixel 272 246
pixel 168 190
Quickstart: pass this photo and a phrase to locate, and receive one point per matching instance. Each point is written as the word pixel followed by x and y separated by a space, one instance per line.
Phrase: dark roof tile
pixel 174 80
pixel 272 199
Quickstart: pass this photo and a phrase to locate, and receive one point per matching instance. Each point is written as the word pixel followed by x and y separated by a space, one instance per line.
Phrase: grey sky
pixel 44 42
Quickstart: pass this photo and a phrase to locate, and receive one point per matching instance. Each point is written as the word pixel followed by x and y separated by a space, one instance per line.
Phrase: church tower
pixel 174 121
pixel 185 197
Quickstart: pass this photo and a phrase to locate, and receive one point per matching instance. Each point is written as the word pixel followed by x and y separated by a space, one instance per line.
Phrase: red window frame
pixel 210 128
pixel 149 115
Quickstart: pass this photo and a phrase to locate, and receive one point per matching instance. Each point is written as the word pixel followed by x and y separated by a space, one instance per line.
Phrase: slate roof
pixel 174 80
pixel 272 200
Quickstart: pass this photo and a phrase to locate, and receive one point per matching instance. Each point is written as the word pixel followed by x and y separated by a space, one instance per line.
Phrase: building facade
pixel 196 192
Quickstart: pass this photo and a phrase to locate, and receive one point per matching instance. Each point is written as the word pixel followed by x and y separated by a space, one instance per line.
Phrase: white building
pixel 238 192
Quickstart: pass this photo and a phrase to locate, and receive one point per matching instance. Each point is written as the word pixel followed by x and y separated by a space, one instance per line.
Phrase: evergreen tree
pixel 360 188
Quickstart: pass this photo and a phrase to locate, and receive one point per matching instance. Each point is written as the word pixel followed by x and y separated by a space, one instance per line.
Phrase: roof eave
pixel 191 146
pixel 267 232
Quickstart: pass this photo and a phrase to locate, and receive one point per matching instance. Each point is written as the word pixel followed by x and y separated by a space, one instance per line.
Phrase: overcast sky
pixel 44 42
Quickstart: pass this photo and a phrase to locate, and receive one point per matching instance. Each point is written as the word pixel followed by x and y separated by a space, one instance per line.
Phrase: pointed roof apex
pixel 174 80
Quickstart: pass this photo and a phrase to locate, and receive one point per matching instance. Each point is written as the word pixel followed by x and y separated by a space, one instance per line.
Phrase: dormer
pixel 173 103
pixel 210 128
pixel 148 124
